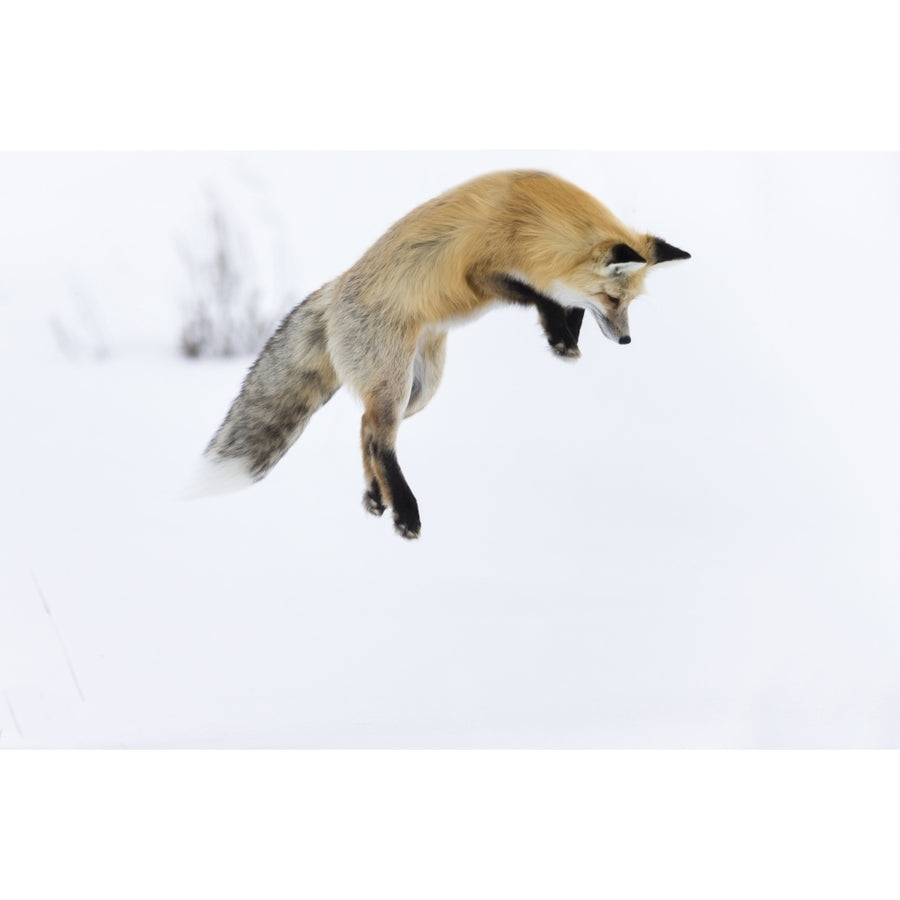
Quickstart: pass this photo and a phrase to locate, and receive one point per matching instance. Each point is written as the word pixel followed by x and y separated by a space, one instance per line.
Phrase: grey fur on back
pixel 292 378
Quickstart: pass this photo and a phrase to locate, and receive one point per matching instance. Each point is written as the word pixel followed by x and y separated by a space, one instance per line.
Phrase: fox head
pixel 611 277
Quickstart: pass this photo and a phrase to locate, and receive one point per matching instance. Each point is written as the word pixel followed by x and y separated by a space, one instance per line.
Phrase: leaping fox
pixel 381 328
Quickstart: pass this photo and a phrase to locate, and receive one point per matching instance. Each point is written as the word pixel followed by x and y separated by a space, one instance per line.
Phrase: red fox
pixel 381 328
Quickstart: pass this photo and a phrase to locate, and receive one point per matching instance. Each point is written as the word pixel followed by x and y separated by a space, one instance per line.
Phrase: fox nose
pixel 625 340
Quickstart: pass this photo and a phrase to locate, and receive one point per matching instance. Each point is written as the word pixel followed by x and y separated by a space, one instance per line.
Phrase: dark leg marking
pixel 372 499
pixel 406 510
pixel 555 320
pixel 561 326
pixel 574 317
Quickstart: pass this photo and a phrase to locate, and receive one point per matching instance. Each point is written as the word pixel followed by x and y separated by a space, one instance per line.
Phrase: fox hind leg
pixel 386 483
pixel 373 500
pixel 427 369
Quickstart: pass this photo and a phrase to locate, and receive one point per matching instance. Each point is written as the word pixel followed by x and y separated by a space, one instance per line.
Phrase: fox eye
pixel 615 301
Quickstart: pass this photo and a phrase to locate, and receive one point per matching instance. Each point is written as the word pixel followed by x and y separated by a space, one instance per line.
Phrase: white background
pixel 686 542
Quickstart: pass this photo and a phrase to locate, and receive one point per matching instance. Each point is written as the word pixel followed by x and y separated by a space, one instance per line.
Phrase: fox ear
pixel 664 252
pixel 622 259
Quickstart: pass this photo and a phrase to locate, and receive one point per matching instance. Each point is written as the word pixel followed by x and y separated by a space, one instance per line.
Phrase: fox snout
pixel 615 328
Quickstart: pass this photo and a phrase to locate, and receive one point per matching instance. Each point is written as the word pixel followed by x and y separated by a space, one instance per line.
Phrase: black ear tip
pixel 622 253
pixel 665 252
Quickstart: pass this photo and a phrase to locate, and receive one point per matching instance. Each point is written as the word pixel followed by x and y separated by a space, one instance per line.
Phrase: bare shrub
pixel 224 314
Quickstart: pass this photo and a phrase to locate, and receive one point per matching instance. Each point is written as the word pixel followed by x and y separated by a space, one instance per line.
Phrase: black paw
pixel 565 349
pixel 406 518
pixel 372 500
pixel 408 530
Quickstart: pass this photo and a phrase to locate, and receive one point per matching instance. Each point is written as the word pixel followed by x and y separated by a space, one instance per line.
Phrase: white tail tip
pixel 217 476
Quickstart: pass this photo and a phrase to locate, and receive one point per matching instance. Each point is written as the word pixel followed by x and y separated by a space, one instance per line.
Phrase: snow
pixel 686 542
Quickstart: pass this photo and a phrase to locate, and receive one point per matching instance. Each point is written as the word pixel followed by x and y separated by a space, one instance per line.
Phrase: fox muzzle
pixel 615 329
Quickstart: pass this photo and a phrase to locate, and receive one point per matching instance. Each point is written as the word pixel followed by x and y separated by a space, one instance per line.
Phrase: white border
pixel 444 824
pixel 394 75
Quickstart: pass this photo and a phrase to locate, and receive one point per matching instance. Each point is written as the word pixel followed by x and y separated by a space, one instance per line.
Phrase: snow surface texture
pixel 687 542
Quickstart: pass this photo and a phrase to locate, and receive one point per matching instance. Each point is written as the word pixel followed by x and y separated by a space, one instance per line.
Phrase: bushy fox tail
pixel 292 378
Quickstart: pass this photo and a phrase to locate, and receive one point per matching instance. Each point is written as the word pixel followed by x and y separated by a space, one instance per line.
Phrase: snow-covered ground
pixel 691 541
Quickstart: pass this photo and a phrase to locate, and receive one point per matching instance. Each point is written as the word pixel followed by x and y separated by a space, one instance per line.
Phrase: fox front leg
pixel 562 327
